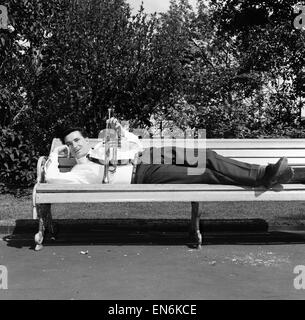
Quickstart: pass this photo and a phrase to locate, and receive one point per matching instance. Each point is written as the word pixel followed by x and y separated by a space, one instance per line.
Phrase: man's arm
pixel 130 143
pixel 130 137
pixel 54 176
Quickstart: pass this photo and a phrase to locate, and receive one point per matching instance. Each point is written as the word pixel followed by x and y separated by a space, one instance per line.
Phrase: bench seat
pixel 75 193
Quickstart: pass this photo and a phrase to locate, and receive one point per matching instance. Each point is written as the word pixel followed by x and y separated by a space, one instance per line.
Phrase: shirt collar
pixel 82 160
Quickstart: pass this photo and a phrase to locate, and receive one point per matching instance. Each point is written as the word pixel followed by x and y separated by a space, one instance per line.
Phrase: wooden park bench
pixel 249 150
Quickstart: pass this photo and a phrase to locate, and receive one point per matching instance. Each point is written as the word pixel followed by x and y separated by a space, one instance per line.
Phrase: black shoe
pixel 299 175
pixel 276 173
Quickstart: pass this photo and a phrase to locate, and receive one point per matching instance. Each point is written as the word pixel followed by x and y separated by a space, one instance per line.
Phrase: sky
pixel 151 6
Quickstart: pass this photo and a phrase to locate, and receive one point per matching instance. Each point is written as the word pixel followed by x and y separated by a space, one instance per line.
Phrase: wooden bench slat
pixel 294 162
pixel 226 145
pixel 265 161
pixel 45 187
pixel 289 153
pixel 255 144
pixel 286 194
pixel 245 153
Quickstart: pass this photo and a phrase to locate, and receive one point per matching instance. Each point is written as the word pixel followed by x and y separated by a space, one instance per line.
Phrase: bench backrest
pixel 258 151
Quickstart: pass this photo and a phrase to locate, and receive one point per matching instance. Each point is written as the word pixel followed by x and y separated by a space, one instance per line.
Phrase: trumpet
pixel 111 143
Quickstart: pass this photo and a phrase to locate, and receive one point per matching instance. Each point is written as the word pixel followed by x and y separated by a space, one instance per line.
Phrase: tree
pixel 269 55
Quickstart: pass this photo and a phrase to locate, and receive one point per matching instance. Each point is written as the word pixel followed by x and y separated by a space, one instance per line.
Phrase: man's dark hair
pixel 67 131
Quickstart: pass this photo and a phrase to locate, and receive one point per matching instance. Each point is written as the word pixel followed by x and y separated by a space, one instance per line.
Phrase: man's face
pixel 78 145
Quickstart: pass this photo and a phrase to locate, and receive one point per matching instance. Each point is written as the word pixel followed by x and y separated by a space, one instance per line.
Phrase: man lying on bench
pixel 217 169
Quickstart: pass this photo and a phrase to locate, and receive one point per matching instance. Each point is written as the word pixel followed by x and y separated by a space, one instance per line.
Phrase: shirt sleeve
pixel 131 145
pixel 53 175
pixel 132 138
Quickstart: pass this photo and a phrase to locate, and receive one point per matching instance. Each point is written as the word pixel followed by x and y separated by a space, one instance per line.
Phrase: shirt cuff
pixel 53 158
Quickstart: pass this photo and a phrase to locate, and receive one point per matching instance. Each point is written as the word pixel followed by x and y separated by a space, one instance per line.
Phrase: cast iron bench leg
pixel 45 222
pixel 195 234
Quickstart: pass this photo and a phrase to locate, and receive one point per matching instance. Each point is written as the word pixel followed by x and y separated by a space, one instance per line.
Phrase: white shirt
pixel 88 172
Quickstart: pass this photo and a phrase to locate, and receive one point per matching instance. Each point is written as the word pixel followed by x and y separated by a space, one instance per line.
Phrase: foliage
pixel 255 59
pixel 18 161
pixel 233 67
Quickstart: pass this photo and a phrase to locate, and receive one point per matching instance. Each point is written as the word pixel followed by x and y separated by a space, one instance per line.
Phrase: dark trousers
pixel 217 169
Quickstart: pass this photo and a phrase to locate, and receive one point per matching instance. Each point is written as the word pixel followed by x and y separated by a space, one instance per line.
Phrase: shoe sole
pixel 282 170
pixel 286 176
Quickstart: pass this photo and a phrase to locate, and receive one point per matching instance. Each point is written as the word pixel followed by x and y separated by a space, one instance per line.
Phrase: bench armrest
pixel 41 169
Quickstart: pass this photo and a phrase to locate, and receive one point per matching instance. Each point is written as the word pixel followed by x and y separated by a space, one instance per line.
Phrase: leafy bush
pixel 18 161
pixel 234 68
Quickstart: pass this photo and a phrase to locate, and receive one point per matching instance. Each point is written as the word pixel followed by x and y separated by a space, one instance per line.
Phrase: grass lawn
pixel 275 213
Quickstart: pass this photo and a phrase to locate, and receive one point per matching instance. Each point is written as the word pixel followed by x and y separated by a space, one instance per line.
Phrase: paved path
pixel 150 271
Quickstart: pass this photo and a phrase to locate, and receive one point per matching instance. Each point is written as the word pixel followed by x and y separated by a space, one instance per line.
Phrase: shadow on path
pixel 170 232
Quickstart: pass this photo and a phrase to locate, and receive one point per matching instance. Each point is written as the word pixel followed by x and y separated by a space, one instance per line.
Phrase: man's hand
pixel 64 150
pixel 115 125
